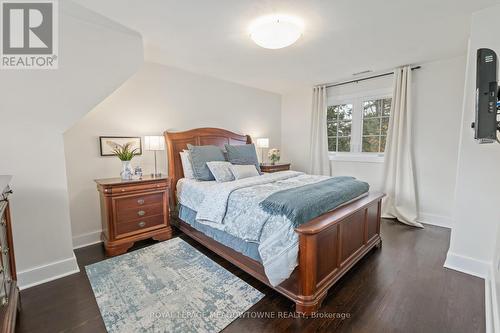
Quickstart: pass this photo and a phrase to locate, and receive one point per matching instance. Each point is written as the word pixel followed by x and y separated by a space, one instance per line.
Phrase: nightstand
pixel 133 210
pixel 267 167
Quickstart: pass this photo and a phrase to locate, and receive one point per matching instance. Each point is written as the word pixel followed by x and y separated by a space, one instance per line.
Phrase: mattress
pixel 249 249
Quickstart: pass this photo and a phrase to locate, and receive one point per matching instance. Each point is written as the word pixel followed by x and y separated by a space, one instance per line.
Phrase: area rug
pixel 168 287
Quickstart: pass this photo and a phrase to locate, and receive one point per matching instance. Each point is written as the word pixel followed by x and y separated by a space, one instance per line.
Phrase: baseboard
pixel 491 306
pixel 467 265
pixel 434 219
pixel 87 239
pixel 495 309
pixel 45 273
pixel 488 311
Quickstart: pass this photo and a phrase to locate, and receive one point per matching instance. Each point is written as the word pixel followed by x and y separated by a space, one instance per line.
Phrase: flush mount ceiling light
pixel 276 31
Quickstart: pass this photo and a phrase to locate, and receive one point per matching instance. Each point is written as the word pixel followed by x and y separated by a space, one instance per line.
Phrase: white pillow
pixel 221 171
pixel 187 166
pixel 244 171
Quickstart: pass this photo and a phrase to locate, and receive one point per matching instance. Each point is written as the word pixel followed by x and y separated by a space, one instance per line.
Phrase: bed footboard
pixel 331 244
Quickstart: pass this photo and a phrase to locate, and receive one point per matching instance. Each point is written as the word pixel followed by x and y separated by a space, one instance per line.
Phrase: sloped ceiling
pixel 96 55
pixel 341 36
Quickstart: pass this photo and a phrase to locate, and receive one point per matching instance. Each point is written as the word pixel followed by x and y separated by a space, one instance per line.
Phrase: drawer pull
pixel 140 201
pixel 141 213
pixel 141 224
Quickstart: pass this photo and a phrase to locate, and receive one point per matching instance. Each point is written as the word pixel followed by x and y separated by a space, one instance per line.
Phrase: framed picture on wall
pixel 107 150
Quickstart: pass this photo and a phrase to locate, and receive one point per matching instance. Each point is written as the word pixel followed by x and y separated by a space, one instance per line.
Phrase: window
pixel 339 123
pixel 358 124
pixel 375 123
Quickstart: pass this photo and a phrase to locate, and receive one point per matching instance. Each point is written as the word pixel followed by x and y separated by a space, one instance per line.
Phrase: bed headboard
pixel 178 141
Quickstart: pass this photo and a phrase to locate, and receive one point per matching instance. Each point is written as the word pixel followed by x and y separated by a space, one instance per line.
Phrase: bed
pixel 328 245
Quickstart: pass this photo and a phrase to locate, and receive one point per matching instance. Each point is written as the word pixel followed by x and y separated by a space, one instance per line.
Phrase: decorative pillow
pixel 200 155
pixel 221 171
pixel 244 171
pixel 187 165
pixel 243 155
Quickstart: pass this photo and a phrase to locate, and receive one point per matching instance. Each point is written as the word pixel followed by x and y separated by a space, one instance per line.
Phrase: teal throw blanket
pixel 304 203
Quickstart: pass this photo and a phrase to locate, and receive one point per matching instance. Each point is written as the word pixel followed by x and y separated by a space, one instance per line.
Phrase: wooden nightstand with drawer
pixel 268 168
pixel 133 210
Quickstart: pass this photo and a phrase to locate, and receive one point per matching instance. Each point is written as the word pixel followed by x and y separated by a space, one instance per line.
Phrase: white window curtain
pixel 319 162
pixel 399 177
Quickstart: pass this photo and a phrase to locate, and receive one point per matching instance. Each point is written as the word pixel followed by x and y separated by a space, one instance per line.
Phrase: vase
pixel 126 173
pixel 274 160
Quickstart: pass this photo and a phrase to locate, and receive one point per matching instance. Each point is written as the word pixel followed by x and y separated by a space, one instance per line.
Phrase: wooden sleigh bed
pixel 329 245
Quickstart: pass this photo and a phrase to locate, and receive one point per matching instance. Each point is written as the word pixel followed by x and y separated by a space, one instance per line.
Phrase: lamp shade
pixel 154 142
pixel 262 143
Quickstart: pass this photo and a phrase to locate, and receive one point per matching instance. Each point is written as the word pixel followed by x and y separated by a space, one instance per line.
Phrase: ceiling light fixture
pixel 276 31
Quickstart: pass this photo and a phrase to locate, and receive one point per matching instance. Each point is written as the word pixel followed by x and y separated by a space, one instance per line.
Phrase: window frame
pixel 338 125
pixel 356 155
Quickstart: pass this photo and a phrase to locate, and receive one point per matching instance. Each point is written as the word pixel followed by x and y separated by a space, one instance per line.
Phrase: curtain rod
pixel 366 78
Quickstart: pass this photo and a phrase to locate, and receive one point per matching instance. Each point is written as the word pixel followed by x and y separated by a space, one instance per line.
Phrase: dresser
pixel 268 167
pixel 133 210
pixel 9 292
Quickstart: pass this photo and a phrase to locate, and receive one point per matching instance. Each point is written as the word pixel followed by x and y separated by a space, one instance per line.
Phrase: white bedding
pixel 191 192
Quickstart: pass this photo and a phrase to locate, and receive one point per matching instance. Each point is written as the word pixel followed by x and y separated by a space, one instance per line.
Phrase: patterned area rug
pixel 168 287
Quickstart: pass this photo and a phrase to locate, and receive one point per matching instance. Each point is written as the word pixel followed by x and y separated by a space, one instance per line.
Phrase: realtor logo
pixel 29 34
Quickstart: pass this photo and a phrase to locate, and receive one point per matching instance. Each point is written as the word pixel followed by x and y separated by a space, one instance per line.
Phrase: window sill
pixel 357 157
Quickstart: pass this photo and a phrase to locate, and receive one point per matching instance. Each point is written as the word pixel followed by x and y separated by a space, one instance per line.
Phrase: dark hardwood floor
pixel 402 287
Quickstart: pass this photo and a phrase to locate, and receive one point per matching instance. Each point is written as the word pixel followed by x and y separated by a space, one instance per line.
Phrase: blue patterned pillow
pixel 221 171
pixel 243 155
pixel 200 155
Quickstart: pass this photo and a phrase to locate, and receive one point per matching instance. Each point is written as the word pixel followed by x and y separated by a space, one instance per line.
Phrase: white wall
pixel 437 100
pixel 155 99
pixel 296 128
pixel 472 244
pixel 475 237
pixel 36 106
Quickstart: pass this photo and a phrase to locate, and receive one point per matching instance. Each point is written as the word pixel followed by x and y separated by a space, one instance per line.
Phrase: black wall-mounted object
pixel 485 124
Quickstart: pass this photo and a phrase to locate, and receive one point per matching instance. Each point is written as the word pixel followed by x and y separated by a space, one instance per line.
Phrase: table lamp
pixel 262 143
pixel 154 143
